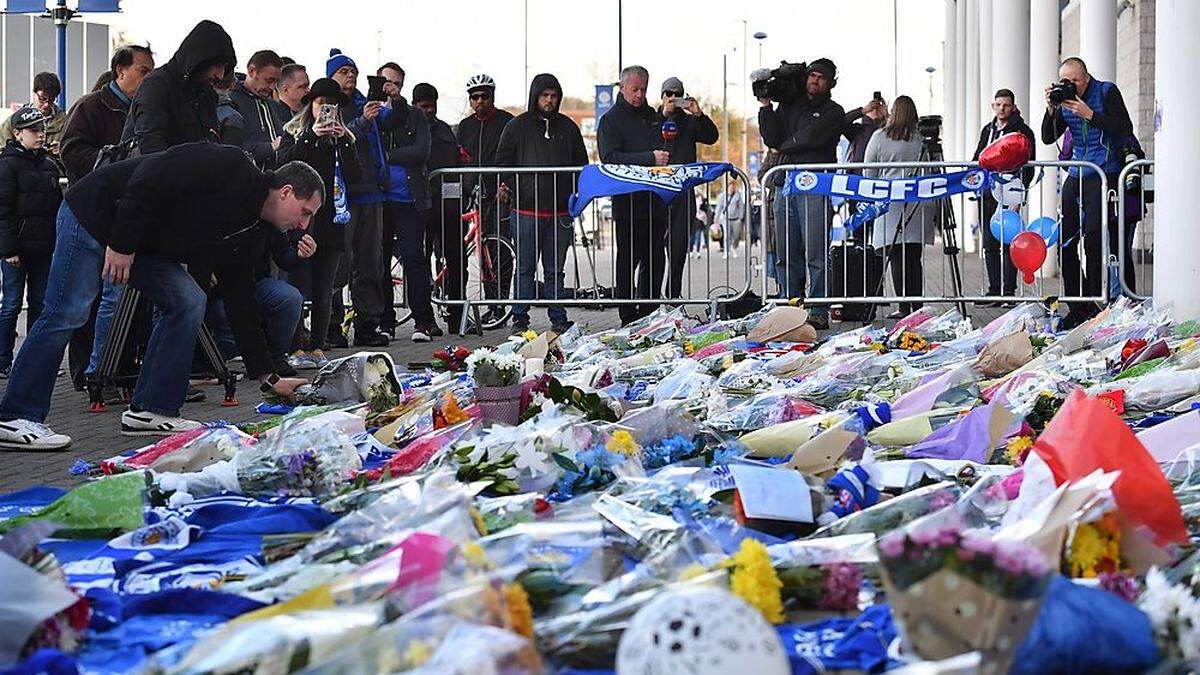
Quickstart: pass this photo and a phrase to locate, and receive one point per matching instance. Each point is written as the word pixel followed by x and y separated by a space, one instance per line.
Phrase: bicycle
pixel 489 258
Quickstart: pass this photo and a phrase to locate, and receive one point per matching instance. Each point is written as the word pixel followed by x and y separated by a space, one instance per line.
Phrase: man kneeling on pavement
pixel 139 221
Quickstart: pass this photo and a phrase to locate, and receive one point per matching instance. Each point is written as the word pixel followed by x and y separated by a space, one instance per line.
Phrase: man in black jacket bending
pixel 541 136
pixel 804 131
pixel 137 221
pixel 692 127
pixel 631 133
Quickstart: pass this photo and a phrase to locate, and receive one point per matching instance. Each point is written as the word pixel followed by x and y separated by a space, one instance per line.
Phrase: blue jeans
pixel 801 222
pixel 27 279
pixel 73 284
pixel 549 236
pixel 279 305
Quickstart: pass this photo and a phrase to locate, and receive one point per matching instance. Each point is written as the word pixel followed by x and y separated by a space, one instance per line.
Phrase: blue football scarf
pixel 874 195
pixel 668 182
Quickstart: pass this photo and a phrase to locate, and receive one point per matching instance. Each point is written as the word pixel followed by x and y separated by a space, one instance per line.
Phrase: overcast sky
pixel 445 41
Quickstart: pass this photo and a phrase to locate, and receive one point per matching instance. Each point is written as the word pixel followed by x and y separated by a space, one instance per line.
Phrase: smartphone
pixel 375 89
pixel 877 96
pixel 327 114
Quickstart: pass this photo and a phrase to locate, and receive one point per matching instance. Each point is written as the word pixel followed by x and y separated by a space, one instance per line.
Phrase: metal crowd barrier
pixel 1134 184
pixel 894 250
pixel 634 260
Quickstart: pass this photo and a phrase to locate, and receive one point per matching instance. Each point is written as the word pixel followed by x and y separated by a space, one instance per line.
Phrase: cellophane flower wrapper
pixel 365 377
pixel 434 644
pixel 303 460
pixel 685 382
pixel 761 410
pixel 188 451
pixel 891 514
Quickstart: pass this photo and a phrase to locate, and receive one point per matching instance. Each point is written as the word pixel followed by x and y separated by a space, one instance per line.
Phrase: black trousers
pixel 407 243
pixel 641 226
pixel 1001 273
pixel 322 268
pixel 1082 213
pixel 444 232
pixel 679 239
pixel 904 260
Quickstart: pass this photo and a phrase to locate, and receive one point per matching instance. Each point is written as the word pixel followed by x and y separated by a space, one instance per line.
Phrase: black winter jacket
pixel 533 140
pixel 692 129
pixel 479 139
pixel 405 136
pixel 444 153
pixel 299 142
pixel 805 131
pixel 29 199
pixel 628 135
pixel 198 203
pixel 171 107
pixel 263 124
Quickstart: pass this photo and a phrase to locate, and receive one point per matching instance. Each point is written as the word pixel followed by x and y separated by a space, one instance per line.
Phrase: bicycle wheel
pixel 491 277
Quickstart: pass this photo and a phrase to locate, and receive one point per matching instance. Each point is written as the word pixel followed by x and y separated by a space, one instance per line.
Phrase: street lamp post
pixel 760 37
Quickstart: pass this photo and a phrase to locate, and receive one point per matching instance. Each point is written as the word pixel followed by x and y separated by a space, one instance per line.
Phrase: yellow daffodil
pixel 754 579
pixel 622 443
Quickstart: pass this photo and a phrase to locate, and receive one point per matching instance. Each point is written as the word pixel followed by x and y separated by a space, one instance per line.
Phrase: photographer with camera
pixel 1095 113
pixel 692 127
pixel 804 129
pixel 1008 120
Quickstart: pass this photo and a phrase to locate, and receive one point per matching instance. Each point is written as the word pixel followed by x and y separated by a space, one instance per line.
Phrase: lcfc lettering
pixel 898 190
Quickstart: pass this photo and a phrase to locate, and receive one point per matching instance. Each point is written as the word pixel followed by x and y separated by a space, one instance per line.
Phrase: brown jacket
pixel 95 121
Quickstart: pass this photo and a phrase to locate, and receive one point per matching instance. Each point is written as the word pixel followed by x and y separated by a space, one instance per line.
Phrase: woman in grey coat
pixel 907 228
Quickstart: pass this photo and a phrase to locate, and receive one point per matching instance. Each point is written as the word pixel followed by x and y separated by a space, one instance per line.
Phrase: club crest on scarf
pixel 668 177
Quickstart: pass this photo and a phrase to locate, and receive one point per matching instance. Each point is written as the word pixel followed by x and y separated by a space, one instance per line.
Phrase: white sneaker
pixel 146 423
pixel 419 335
pixel 30 436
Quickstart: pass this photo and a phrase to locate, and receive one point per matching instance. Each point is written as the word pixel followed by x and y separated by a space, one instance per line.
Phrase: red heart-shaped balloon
pixel 1007 153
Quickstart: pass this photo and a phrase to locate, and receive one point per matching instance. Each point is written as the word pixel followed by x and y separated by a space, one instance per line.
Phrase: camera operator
pixel 1008 120
pixel 804 130
pixel 1095 113
pixel 693 127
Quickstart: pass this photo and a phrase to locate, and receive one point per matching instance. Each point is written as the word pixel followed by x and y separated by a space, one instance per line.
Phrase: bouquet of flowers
pixel 954 591
pixel 366 377
pixel 497 384
pixel 523 458
pixel 304 460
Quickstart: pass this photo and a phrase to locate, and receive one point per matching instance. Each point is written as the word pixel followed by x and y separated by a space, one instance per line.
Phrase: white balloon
pixel 700 630
pixel 1009 190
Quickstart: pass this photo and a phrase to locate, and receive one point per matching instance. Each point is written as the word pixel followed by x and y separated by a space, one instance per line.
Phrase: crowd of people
pixel 233 201
pixel 808 130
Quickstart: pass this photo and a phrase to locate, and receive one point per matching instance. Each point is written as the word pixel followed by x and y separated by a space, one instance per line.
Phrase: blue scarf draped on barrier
pixel 668 182
pixel 875 195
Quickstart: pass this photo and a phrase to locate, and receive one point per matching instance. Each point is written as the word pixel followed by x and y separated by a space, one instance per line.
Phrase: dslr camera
pixel 1063 90
pixel 783 84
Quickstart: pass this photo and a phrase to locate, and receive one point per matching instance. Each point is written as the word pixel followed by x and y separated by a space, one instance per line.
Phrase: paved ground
pixel 97 436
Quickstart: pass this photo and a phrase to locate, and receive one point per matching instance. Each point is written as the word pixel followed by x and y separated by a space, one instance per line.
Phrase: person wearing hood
pixel 443 223
pixel 804 131
pixel 176 103
pixel 479 134
pixel 542 224
pixel 363 264
pixel 692 127
pixel 328 147
pixel 1001 273
pixel 29 198
pixel 631 133
pixel 253 98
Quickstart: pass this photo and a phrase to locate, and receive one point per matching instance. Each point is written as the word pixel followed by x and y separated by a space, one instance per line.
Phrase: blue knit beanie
pixel 336 60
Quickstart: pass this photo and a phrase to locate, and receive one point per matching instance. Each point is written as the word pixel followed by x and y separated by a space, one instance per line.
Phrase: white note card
pixel 773 494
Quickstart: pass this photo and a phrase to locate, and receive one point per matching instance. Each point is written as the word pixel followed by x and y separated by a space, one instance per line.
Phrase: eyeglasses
pixel 480 95
pixel 673 94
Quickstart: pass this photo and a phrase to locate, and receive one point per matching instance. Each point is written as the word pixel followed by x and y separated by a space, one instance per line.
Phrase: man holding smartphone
pixel 693 127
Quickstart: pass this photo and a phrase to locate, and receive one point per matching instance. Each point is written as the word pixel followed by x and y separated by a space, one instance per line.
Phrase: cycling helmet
pixel 480 81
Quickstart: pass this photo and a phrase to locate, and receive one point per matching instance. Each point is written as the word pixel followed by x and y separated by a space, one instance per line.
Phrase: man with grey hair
pixel 631 133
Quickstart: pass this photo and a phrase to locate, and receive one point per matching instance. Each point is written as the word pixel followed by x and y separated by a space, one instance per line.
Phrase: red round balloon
pixel 1028 252
pixel 1007 153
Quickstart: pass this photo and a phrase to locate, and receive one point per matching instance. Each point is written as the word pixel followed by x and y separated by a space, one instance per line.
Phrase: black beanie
pixel 424 92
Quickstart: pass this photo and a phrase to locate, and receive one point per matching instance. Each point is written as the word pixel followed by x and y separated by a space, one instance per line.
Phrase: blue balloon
pixel 1046 226
pixel 1006 225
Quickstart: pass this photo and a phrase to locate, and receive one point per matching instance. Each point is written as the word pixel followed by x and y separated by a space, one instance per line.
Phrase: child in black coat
pixel 29 199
